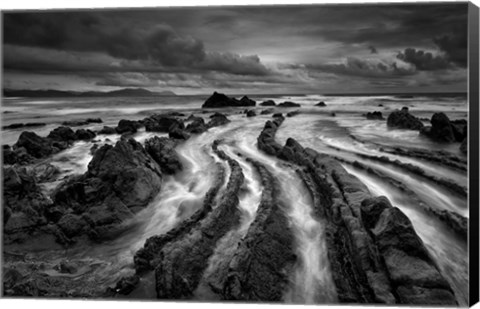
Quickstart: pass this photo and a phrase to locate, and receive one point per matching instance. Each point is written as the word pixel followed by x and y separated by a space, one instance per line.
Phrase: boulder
pixel 321 104
pixel 197 125
pixel 217 100
pixel 127 126
pixel 62 134
pixel 288 104
pixel 293 113
pixel 107 130
pixel 441 129
pixel 217 119
pixel 374 116
pixel 162 150
pixel 24 125
pixel 177 133
pixel 251 113
pixel 35 145
pixel 161 123
pixel 84 134
pixel 277 115
pixel 267 103
pixel 403 120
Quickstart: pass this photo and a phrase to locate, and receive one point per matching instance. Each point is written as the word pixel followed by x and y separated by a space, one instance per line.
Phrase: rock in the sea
pixel 197 125
pixel 162 151
pixel 24 125
pixel 321 104
pixel 217 119
pixel 267 111
pixel 288 104
pixel 107 130
pixel 441 129
pixel 35 145
pixel 62 134
pixel 374 116
pixel 120 181
pixel 251 113
pixel 127 126
pixel 161 123
pixel 84 134
pixel 277 115
pixel 402 119
pixel 217 100
pixel 267 103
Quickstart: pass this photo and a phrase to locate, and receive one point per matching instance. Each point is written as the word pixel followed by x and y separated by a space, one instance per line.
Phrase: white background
pixel 88 304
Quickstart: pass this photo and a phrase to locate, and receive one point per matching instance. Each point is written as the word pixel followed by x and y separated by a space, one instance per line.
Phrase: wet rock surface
pixel 374 252
pixel 162 150
pixel 402 119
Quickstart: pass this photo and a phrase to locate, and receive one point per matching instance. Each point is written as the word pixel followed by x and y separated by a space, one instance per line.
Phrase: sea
pixel 339 129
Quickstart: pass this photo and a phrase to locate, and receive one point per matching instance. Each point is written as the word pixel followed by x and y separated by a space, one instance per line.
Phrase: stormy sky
pixel 270 49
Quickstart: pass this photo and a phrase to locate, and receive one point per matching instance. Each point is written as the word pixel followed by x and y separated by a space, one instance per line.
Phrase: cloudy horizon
pixel 252 49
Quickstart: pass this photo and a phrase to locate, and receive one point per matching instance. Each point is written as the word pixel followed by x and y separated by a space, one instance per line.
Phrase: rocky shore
pixel 374 253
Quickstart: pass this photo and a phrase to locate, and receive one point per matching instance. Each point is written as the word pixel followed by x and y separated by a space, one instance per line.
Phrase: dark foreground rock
pixel 259 269
pixel 217 100
pixel 120 181
pixel 127 126
pixel 251 113
pixel 402 119
pixel 161 123
pixel 107 130
pixel 374 252
pixel 182 263
pixel 162 150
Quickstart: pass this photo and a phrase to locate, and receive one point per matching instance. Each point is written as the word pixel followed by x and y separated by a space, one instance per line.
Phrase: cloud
pixel 158 45
pixel 372 49
pixel 455 48
pixel 424 61
pixel 372 67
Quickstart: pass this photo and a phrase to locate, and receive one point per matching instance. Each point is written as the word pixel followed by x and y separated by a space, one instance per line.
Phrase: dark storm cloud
pixel 372 49
pixel 375 68
pixel 156 45
pixel 424 61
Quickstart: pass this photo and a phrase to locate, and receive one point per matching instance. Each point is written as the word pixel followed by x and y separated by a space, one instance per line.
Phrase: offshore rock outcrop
pixel 217 100
pixel 259 269
pixel 402 119
pixel 445 131
pixel 374 252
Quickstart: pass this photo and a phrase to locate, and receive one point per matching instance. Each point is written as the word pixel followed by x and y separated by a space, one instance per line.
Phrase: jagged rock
pixel 251 113
pixel 84 134
pixel 403 120
pixel 177 133
pixel 24 203
pixel 182 262
pixel 35 145
pixel 277 115
pixel 197 125
pixel 162 151
pixel 66 267
pixel 62 134
pixel 18 155
pixel 76 123
pixel 321 104
pixel 107 130
pixel 72 225
pixel 288 104
pixel 45 172
pixel 127 126
pixel 267 103
pixel 267 111
pixel 375 116
pixel 266 140
pixel 217 100
pixel 460 129
pixel 441 129
pixel 217 119
pixel 161 123
pixel 259 269
pixel 120 181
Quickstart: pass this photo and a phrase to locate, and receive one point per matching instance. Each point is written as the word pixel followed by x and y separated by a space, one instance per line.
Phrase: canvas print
pixel 306 154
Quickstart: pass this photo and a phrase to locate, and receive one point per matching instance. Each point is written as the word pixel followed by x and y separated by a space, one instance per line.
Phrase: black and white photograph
pixel 310 154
